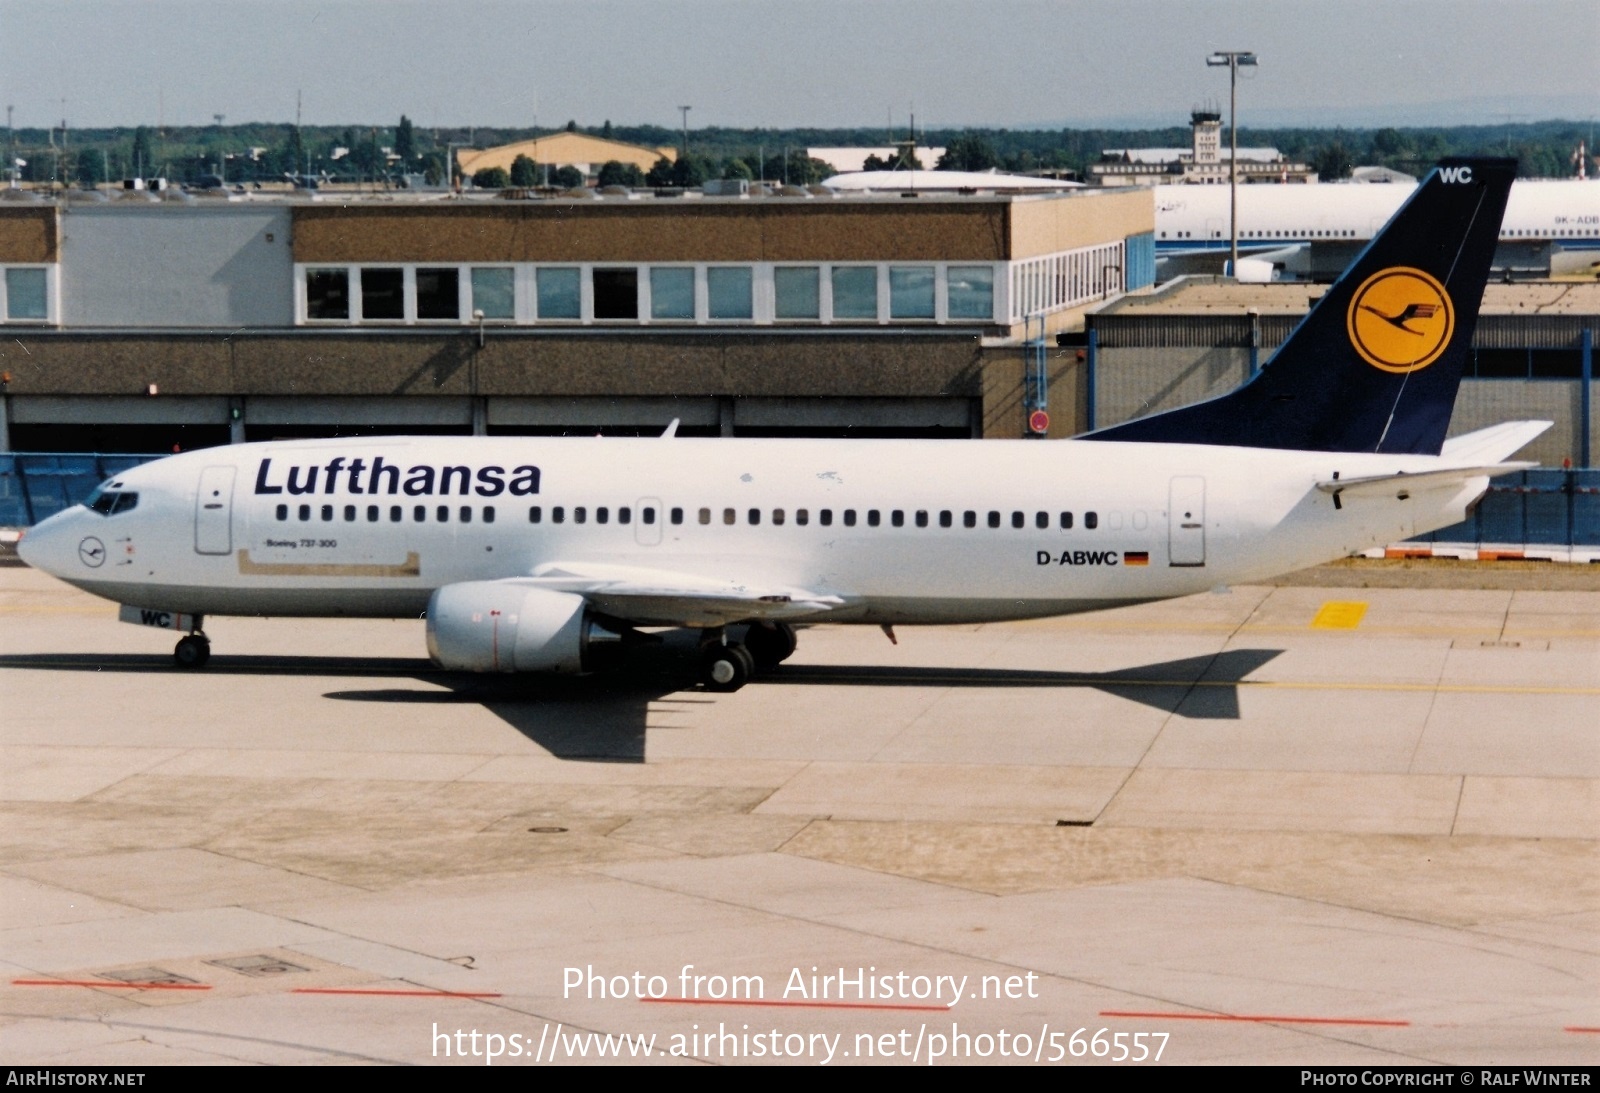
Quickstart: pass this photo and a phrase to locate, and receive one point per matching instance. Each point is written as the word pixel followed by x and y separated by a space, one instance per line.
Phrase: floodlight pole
pixel 1233 59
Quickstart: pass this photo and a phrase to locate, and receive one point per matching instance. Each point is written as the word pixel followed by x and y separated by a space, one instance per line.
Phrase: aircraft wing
pixel 1386 485
pixel 655 597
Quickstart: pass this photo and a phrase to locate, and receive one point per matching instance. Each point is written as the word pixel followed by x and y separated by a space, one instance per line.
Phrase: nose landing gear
pixel 192 651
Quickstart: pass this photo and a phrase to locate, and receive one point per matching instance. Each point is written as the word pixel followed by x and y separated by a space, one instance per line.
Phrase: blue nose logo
pixel 92 552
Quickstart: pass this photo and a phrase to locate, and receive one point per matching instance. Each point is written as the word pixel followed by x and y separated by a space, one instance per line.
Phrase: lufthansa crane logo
pixel 1400 319
pixel 92 552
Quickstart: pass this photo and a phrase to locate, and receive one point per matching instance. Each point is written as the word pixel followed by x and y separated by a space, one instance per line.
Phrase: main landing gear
pixel 726 666
pixel 192 651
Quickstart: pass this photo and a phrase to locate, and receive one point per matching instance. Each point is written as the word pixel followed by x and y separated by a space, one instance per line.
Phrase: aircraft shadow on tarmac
pixel 602 718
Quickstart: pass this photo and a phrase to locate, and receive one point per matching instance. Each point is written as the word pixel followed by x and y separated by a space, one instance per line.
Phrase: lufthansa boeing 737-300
pixel 541 555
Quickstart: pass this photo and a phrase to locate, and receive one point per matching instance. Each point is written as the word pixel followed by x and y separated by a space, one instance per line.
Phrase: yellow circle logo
pixel 1400 319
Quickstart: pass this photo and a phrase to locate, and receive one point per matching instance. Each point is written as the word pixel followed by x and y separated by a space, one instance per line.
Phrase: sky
pixel 823 63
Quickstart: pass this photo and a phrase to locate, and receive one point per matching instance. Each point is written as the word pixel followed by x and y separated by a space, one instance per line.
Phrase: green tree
pixel 617 173
pixel 568 178
pixel 405 142
pixel 1332 160
pixel 144 158
pixel 572 126
pixel 524 172
pixel 968 152
pixel 292 153
pixel 691 170
pixel 660 173
pixel 433 168
pixel 491 178
pixel 737 168
pixel 605 130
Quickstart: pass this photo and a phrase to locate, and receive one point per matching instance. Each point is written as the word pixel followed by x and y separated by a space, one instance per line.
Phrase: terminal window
pixel 796 292
pixel 493 293
pixel 672 292
pixel 728 292
pixel 383 294
pixel 327 294
pixel 438 294
pixel 25 294
pixel 558 293
pixel 616 294
pixel 855 292
pixel 970 292
pixel 911 292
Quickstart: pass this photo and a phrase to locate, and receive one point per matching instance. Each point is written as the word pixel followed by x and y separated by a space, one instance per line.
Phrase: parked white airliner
pixel 1277 222
pixel 543 554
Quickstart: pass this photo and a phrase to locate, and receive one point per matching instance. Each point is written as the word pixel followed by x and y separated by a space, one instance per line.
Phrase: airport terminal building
pixel 141 323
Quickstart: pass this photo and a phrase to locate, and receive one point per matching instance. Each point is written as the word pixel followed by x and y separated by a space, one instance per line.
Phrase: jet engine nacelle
pixel 1258 271
pixel 499 626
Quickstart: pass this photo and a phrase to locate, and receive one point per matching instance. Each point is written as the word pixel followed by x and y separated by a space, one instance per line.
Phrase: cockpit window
pixel 108 501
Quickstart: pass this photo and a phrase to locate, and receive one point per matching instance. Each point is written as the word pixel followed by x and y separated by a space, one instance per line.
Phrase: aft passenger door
pixel 1186 521
pixel 213 512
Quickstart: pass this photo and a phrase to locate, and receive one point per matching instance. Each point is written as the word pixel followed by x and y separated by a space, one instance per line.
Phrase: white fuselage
pixel 1190 217
pixel 373 527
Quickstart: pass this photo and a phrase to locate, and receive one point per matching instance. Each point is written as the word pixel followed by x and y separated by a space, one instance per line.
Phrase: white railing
pixel 1070 278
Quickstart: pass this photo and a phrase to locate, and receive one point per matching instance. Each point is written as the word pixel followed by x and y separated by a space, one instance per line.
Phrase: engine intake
pixel 498 626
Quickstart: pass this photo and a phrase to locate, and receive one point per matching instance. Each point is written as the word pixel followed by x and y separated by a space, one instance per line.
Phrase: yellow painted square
pixel 1339 615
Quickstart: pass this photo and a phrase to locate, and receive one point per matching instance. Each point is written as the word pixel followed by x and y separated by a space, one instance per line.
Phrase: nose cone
pixel 61 545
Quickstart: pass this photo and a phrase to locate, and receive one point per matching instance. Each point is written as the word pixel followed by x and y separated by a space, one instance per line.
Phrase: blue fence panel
pixel 1585 498
pixel 36 485
pixel 56 482
pixel 1546 508
pixel 1500 517
pixel 13 505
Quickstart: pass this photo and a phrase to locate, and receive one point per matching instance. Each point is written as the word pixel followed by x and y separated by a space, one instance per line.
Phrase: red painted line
pixel 397 994
pixel 1259 1018
pixel 1579 1028
pixel 116 986
pixel 794 1005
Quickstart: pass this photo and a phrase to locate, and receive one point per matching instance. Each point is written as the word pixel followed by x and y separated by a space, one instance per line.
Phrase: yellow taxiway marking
pixel 1339 615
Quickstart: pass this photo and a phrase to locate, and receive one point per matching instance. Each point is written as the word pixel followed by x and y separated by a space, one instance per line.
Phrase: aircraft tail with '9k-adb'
pixel 1375 365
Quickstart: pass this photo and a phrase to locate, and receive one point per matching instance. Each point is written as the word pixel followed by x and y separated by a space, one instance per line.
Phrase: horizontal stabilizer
pixel 1391 485
pixel 1495 443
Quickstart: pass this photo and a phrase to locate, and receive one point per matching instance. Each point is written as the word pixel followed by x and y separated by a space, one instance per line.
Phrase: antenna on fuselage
pixel 671 429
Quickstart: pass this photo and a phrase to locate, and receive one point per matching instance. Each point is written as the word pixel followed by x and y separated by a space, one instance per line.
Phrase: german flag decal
pixel 1135 557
